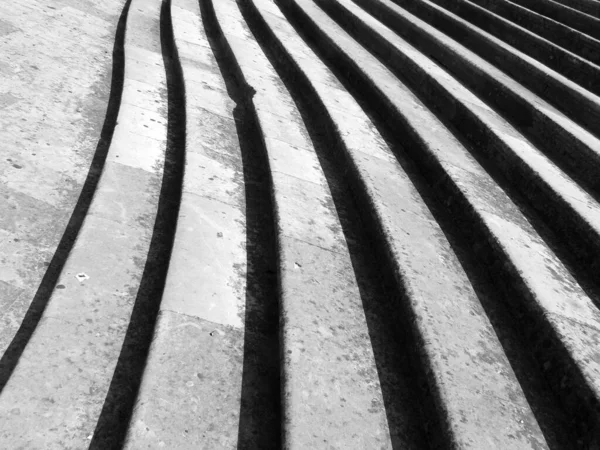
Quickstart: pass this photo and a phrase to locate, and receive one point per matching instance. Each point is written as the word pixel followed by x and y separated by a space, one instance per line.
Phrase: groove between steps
pixel 579 104
pixel 11 356
pixel 573 67
pixel 226 354
pixel 445 402
pixel 569 146
pixel 104 273
pixel 113 420
pixel 591 7
pixel 397 364
pixel 568 16
pixel 584 412
pixel 562 35
pixel 516 164
pixel 329 389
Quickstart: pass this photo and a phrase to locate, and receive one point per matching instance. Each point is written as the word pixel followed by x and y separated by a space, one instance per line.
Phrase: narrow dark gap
pixel 567 16
pixel 567 38
pixel 539 206
pixel 575 250
pixel 260 407
pixel 543 51
pixel 563 233
pixel 13 353
pixel 575 160
pixel 408 404
pixel 113 422
pixel 576 419
pixel 590 7
pixel 523 341
pixel 550 89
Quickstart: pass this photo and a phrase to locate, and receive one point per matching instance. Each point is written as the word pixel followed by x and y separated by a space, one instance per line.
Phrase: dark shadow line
pixel 405 397
pixel 113 422
pixel 564 233
pixel 260 407
pixel 13 353
pixel 487 273
pixel 520 346
pixel 567 38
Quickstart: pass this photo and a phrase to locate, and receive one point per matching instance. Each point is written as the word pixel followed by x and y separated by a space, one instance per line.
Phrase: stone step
pixel 195 364
pixel 57 390
pixel 524 258
pixel 320 223
pixel 328 388
pixel 405 247
pixel 591 7
pixel 574 149
pixel 564 14
pixel 566 63
pixel 569 210
pixel 576 102
pixel 569 38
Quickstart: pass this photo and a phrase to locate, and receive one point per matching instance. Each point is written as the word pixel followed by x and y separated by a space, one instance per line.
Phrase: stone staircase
pixel 330 224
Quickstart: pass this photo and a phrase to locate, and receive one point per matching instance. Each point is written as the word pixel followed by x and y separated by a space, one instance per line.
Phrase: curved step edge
pixel 568 16
pixel 380 180
pixel 569 210
pixel 330 390
pixel 568 38
pixel 574 101
pixel 83 327
pixel 574 149
pixel 195 361
pixel 561 312
pixel 591 7
pixel 540 49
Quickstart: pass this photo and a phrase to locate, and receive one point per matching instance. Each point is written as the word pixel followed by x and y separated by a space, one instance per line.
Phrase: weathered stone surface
pixel 293 223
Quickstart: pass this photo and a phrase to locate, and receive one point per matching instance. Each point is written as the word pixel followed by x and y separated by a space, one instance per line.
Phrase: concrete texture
pixel 75 347
pixel 573 147
pixel 564 14
pixel 562 35
pixel 52 110
pixel 291 223
pixel 191 391
pixel 415 244
pixel 329 387
pixel 528 169
pixel 575 68
pixel 573 100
